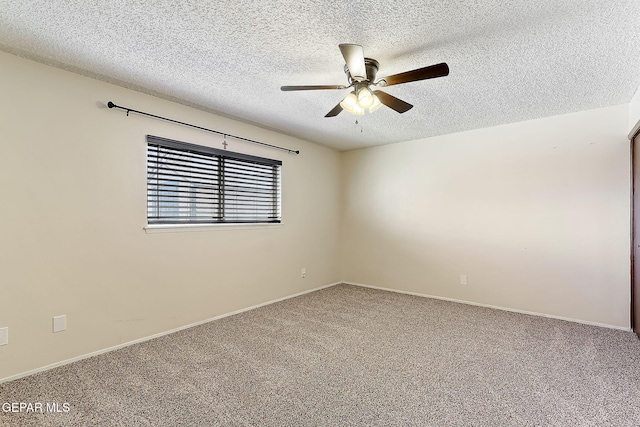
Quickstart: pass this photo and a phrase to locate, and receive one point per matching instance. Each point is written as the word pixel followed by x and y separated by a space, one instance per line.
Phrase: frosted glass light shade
pixel 350 102
pixel 375 105
pixel 365 98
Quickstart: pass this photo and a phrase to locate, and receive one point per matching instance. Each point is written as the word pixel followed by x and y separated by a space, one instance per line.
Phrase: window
pixel 191 184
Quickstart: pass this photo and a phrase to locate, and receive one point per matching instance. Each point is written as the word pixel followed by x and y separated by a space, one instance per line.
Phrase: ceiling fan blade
pixel 317 87
pixel 354 57
pixel 392 102
pixel 430 72
pixel 336 110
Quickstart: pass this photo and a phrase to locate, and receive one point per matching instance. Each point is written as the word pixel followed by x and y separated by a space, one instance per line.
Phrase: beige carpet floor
pixel 351 356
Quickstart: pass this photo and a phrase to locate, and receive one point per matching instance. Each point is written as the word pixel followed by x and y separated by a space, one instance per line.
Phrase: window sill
pixel 171 228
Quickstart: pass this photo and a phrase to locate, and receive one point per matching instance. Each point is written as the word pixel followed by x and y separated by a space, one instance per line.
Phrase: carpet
pixel 350 356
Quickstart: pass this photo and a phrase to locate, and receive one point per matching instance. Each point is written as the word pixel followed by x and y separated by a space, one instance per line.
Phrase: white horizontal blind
pixel 191 184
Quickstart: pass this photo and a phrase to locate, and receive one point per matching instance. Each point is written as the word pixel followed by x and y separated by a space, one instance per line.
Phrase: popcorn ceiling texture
pixel 351 356
pixel 509 61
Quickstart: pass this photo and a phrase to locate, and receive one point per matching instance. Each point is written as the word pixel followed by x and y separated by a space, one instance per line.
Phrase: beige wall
pixel 73 209
pixel 536 214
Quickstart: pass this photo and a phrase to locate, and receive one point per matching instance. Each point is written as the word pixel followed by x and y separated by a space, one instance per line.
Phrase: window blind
pixel 192 184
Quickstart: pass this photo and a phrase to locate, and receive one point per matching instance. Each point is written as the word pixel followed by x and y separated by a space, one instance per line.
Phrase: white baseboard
pixel 140 340
pixel 514 310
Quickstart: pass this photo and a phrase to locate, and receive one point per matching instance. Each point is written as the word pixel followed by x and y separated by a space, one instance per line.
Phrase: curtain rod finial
pixel 110 104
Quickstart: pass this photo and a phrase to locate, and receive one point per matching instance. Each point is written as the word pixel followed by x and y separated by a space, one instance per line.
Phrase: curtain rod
pixel 131 110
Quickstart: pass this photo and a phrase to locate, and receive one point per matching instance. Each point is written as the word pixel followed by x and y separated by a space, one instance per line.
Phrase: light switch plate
pixel 60 323
pixel 4 336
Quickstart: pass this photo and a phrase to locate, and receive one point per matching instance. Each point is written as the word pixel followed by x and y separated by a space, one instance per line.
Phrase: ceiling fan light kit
pixel 361 73
pixel 359 100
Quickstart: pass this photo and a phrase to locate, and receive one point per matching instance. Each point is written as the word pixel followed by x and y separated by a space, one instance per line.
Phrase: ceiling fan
pixel 361 76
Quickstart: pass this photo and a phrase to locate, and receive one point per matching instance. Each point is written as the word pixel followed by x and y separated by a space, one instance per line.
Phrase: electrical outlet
pixel 463 279
pixel 60 323
pixel 303 273
pixel 4 336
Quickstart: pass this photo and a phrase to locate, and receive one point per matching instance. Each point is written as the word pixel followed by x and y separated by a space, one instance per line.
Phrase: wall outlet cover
pixel 59 323
pixel 4 336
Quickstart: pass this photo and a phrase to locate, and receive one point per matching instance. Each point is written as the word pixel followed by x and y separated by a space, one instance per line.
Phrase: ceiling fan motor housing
pixel 371 65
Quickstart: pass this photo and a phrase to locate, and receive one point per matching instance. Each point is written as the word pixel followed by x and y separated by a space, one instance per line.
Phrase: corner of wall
pixel 634 110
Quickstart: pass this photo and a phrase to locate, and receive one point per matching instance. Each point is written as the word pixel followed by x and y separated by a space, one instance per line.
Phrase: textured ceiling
pixel 509 61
